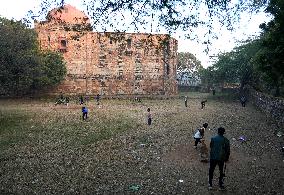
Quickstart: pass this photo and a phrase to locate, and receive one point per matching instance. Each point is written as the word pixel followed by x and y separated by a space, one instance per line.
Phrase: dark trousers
pixel 185 103
pixel 149 121
pixel 85 115
pixel 202 105
pixel 213 164
pixel 243 104
pixel 196 141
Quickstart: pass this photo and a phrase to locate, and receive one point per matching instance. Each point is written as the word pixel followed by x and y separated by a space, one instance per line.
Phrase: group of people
pixel 97 98
pixel 62 100
pixel 219 153
pixel 243 101
pixel 219 145
pixel 202 102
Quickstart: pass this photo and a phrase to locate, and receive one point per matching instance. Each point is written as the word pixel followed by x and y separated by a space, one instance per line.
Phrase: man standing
pixel 243 101
pixel 219 154
pixel 185 101
pixel 98 99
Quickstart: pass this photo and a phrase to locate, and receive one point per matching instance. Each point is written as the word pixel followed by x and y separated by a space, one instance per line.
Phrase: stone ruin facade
pixel 108 63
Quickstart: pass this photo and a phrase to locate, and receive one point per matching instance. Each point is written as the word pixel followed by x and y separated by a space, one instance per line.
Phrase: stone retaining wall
pixel 270 105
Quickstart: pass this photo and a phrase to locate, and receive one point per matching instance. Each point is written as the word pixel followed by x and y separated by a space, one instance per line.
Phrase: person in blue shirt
pixel 219 154
pixel 85 112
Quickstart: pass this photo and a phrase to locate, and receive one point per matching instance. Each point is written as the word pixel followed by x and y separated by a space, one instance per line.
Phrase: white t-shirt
pixel 197 135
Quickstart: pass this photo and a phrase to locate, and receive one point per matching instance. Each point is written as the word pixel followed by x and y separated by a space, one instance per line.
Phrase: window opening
pixel 63 43
pixel 128 43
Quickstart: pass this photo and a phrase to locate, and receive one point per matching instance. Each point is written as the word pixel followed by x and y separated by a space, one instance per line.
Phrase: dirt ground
pixel 156 159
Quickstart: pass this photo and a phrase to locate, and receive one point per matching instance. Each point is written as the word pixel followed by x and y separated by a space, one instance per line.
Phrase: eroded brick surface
pixel 108 63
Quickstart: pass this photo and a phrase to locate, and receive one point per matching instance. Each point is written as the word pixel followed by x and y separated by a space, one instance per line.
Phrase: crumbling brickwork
pixel 108 63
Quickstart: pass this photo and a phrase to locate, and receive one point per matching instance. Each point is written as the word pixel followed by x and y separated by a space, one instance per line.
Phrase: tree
pixel 187 67
pixel 24 68
pixel 236 66
pixel 207 76
pixel 270 58
pixel 187 60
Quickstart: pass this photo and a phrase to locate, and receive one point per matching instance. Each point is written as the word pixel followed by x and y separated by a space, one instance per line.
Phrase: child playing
pixel 203 103
pixel 98 99
pixel 243 101
pixel 199 134
pixel 149 117
pixel 85 112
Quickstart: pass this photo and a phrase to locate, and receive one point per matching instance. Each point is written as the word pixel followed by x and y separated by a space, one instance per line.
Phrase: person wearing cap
pixel 219 154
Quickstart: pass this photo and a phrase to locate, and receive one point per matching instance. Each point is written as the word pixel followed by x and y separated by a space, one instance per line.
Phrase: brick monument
pixel 108 63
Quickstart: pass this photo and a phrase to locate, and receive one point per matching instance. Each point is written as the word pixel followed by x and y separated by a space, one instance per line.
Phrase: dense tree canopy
pixel 188 60
pixel 258 62
pixel 23 67
pixel 270 59
pixel 237 66
pixel 187 67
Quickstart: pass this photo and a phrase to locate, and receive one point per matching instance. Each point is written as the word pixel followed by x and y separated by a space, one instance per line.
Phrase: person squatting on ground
pixel 85 112
pixel 219 154
pixel 149 116
pixel 185 101
pixel 199 134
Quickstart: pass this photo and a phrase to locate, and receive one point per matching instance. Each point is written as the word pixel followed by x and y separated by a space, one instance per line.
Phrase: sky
pixel 248 26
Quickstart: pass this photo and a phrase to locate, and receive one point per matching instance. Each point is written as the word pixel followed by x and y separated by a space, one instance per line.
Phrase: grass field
pixel 48 149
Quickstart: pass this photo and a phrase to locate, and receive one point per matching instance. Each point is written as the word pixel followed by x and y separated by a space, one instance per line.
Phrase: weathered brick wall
pixel 110 63
pixel 270 105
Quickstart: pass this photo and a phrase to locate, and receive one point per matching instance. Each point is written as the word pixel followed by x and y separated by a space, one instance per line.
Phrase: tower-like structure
pixel 108 63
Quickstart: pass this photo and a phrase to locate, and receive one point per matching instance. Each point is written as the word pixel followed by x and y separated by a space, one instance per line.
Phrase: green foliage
pixel 207 76
pixel 270 59
pixel 188 66
pixel 46 75
pixel 258 62
pixel 24 68
pixel 236 66
pixel 187 60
